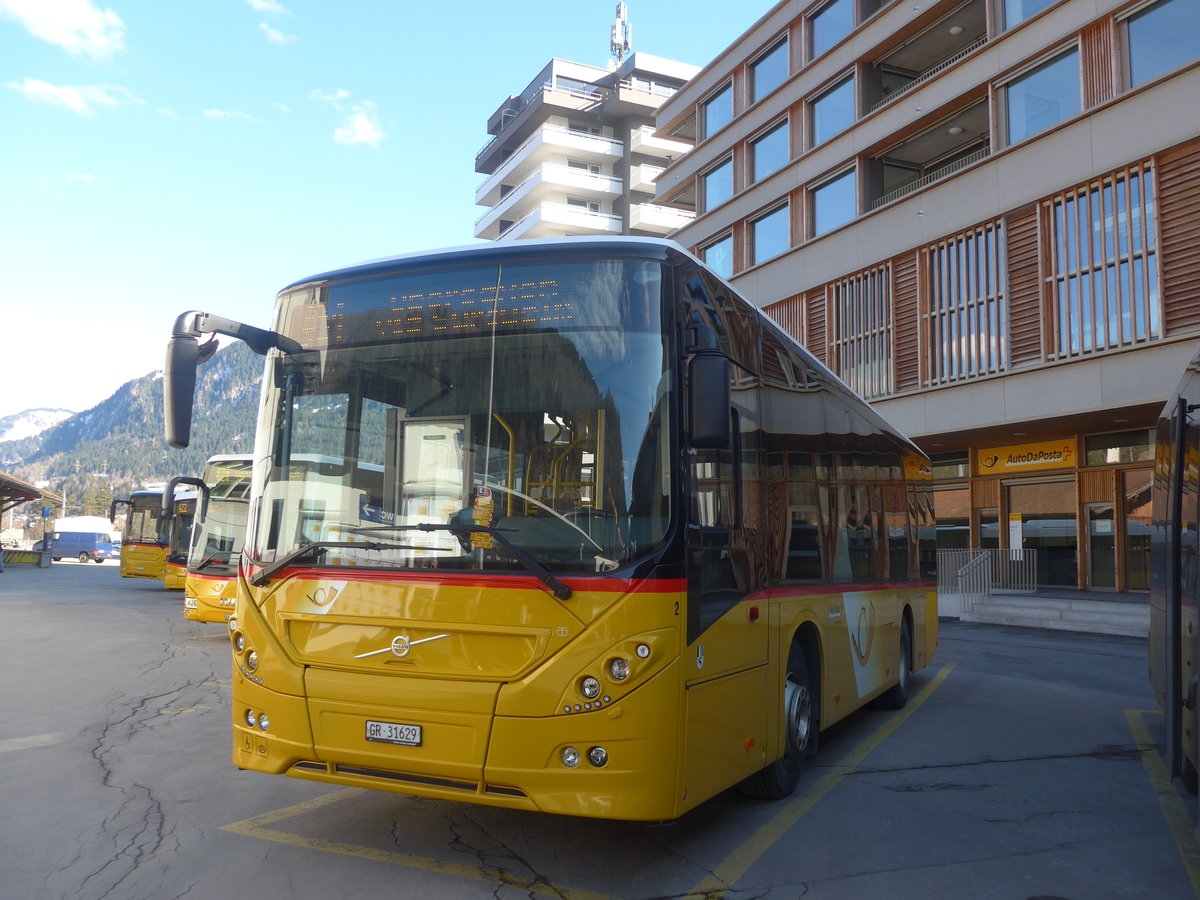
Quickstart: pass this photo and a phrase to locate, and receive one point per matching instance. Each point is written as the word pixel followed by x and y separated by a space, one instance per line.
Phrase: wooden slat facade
pixel 1024 289
pixel 906 316
pixel 1178 187
pixel 1098 46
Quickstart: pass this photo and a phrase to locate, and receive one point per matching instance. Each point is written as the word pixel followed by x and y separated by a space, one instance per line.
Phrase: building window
pixel 862 331
pixel 718 185
pixel 1122 447
pixel 771 234
pixel 967 315
pixel 833 203
pixel 1161 38
pixel 769 71
pixel 830 25
pixel 582 204
pixel 1105 265
pixel 593 168
pixel 717 111
pixel 1043 97
pixel 770 153
pixel 718 256
pixel 1017 11
pixel 833 111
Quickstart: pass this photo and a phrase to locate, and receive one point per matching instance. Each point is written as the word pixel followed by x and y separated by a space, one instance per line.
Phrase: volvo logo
pixel 401 645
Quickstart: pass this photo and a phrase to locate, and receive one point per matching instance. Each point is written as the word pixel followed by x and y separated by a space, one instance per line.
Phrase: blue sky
pixel 166 155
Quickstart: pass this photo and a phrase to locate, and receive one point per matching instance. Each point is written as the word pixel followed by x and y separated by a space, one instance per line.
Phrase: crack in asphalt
pixel 1103 753
pixel 137 830
pixel 492 858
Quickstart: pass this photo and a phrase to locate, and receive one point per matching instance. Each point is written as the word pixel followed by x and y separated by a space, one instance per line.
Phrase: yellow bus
pixel 217 536
pixel 596 537
pixel 143 550
pixel 1175 575
pixel 177 517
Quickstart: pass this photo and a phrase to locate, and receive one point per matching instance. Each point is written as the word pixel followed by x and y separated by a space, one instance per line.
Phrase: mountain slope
pixel 121 439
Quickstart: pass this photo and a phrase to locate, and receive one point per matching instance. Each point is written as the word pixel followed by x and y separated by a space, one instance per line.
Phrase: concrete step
pixel 1097 616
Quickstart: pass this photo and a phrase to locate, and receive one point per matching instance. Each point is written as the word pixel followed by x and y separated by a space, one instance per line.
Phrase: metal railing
pixel 927 74
pixel 929 179
pixel 975 575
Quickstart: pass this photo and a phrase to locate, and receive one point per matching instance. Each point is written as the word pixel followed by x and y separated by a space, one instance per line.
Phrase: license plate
pixel 394 733
pixel 189 603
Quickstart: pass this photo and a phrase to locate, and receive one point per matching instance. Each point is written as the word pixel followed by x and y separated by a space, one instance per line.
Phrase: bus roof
pixel 655 248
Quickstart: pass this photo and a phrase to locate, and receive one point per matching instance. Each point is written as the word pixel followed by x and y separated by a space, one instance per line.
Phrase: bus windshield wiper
pixel 264 575
pixel 544 575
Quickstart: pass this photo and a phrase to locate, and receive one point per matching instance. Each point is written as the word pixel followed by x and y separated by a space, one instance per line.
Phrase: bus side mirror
pixel 709 401
pixel 179 388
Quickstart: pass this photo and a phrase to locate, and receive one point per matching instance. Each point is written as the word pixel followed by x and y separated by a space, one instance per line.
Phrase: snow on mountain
pixel 31 422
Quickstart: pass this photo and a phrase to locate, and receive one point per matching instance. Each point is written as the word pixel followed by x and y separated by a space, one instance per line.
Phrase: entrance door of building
pixel 1046 508
pixel 1102 546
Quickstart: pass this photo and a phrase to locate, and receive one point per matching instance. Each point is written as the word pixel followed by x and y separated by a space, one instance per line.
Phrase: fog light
pixel 618 669
pixel 570 757
pixel 597 756
pixel 263 722
pixel 643 651
pixel 239 642
pixel 590 687
pixel 251 719
pixel 252 660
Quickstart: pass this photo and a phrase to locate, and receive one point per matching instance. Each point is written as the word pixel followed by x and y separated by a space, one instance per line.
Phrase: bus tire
pixel 1188 776
pixel 779 779
pixel 897 695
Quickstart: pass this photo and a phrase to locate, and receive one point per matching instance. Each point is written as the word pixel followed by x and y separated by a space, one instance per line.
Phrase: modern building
pixel 985 217
pixel 576 153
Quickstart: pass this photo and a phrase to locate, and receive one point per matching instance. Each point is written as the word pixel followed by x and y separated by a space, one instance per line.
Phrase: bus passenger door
pixel 728 692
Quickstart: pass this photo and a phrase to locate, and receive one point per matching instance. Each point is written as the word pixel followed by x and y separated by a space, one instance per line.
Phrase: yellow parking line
pixel 254 827
pixel 736 864
pixel 1173 809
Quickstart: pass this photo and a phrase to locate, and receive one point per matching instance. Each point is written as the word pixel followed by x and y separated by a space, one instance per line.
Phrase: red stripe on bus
pixel 611 585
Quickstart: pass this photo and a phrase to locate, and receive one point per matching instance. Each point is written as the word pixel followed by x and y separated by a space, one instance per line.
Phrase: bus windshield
pixel 529 401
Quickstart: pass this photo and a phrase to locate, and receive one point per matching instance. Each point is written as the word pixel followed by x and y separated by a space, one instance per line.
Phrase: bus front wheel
pixel 897 695
pixel 778 780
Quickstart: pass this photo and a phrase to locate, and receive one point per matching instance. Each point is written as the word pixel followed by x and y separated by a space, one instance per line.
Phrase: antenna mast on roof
pixel 622 33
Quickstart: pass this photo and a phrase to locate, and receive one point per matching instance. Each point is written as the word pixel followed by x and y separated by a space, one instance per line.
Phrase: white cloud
pixel 78 26
pixel 361 127
pixel 282 107
pixel 73 177
pixel 83 99
pixel 268 6
pixel 228 114
pixel 335 98
pixel 274 35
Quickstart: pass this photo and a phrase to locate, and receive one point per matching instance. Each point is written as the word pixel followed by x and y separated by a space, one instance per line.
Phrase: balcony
pixel 520 116
pixel 553 219
pixel 547 180
pixel 645 140
pixel 643 178
pixel 659 220
pixel 921 58
pixel 551 140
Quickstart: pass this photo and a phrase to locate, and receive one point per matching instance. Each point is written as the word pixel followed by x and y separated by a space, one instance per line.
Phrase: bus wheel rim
pixel 798 709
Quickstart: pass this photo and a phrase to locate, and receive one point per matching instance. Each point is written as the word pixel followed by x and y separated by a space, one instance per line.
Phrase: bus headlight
pixel 570 757
pixel 590 687
pixel 264 723
pixel 232 624
pixel 643 651
pixel 618 669
pixel 598 756
pixel 251 718
pixel 252 660
pixel 239 642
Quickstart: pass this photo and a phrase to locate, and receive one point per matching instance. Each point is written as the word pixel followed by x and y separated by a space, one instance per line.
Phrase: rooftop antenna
pixel 622 34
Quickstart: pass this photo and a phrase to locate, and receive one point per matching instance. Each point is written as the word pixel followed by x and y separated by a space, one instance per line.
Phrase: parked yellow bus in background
pixel 143 551
pixel 1175 575
pixel 596 536
pixel 217 537
pixel 177 517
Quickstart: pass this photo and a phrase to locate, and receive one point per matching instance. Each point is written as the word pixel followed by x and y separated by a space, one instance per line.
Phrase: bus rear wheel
pixel 779 779
pixel 896 696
